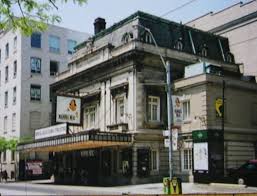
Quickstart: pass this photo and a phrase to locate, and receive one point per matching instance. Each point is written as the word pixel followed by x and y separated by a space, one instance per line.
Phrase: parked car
pixel 246 174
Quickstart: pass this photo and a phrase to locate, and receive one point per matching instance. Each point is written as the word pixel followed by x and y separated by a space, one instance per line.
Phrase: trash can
pixel 166 185
pixel 175 186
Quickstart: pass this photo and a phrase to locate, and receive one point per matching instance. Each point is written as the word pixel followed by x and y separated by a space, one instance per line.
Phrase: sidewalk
pixel 156 188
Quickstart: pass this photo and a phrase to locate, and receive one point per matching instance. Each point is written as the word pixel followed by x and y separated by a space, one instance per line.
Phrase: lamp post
pixel 167 67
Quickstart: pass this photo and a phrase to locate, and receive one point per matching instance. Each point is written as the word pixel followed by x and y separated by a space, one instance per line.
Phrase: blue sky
pixel 82 18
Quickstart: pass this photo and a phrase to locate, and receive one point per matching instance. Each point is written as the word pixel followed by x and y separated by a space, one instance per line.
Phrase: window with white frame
pixel 5 124
pixel 35 92
pixel 71 46
pixel 35 40
pixel 14 122
pixel 153 108
pixel 6 99
pixel 14 95
pixel 7 50
pixel 120 109
pixel 154 160
pixel 186 159
pixel 6 73
pixel 4 156
pixel 148 38
pixel 54 44
pixel 13 155
pixel 90 114
pixel 14 43
pixel 14 69
pixel 186 110
pixel 35 65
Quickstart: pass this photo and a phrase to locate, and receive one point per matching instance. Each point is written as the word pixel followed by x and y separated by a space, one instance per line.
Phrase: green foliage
pixel 10 144
pixel 34 15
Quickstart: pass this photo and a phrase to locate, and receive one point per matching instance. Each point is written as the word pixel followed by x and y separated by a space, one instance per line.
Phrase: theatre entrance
pixel 76 167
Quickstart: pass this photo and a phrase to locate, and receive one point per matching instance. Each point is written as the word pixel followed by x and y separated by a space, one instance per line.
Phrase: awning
pixel 86 140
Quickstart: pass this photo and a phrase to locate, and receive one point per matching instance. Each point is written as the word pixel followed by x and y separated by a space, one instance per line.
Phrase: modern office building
pixel 113 99
pixel 238 23
pixel 27 66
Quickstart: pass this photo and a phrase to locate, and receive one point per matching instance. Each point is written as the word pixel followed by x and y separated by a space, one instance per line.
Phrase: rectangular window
pixel 35 65
pixel 35 92
pixel 54 44
pixel 187 159
pixel 71 46
pixel 14 122
pixel 14 43
pixel 90 117
pixel 6 74
pixel 54 65
pixel 186 110
pixel 12 155
pixel 120 110
pixel 5 124
pixel 6 99
pixel 4 156
pixel 154 160
pixel 14 96
pixel 0 56
pixel 7 50
pixel 14 69
pixel 153 108
pixel 35 40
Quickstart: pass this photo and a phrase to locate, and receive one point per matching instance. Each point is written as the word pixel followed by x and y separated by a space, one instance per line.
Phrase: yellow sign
pixel 175 186
pixel 219 107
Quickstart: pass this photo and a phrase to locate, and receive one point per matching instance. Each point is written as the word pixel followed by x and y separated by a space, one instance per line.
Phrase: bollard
pixel 175 186
pixel 166 185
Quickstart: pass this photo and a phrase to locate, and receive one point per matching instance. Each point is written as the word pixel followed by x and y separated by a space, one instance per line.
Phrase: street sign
pixel 166 133
pixel 166 143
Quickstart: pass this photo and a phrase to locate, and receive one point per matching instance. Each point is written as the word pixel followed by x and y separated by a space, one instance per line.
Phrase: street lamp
pixel 167 67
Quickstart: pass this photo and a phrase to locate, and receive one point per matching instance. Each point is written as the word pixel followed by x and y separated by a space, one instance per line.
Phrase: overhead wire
pixel 177 8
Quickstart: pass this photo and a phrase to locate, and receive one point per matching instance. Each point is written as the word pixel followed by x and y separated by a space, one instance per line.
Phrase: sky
pixel 82 18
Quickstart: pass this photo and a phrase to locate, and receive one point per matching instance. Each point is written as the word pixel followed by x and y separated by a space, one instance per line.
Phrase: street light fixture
pixel 167 67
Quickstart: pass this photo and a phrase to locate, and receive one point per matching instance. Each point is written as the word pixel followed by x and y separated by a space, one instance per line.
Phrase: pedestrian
pixel 5 175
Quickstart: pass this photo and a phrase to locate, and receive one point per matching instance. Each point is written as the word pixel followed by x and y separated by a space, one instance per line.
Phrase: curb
pixel 228 185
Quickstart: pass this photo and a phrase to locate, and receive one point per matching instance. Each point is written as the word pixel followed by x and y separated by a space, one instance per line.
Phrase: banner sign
pixel 51 131
pixel 35 167
pixel 68 110
pixel 177 110
pixel 174 139
pixel 201 156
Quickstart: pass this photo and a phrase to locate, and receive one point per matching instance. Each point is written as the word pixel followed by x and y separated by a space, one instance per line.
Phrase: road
pixel 30 188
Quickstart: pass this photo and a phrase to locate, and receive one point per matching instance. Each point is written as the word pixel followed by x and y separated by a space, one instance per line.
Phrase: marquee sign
pixel 51 131
pixel 68 110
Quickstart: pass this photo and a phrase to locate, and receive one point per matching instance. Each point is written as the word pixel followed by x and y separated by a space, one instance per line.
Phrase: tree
pixel 7 145
pixel 33 15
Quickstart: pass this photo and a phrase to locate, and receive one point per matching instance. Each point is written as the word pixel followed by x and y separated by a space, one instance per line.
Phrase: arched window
pixel 229 58
pixel 179 44
pixel 127 37
pixel 148 38
pixel 204 51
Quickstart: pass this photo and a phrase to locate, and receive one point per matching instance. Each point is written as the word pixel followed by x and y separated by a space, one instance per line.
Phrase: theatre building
pixel 109 109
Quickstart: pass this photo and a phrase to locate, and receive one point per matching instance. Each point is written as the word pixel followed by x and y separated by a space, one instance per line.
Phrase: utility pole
pixel 167 67
pixel 169 110
pixel 223 105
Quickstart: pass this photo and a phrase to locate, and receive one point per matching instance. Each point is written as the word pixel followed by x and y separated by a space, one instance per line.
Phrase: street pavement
pixel 42 188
